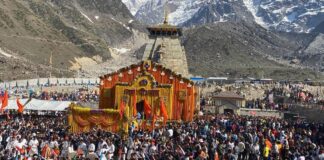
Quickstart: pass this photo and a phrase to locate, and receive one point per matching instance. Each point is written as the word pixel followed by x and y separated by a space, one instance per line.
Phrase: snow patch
pixel 310 13
pixel 250 6
pixel 130 21
pixel 5 53
pixel 184 12
pixel 84 15
pixel 121 23
pixel 121 50
pixel 96 17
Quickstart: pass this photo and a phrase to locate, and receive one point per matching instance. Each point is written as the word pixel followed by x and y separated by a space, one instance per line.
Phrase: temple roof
pixel 156 65
pixel 164 29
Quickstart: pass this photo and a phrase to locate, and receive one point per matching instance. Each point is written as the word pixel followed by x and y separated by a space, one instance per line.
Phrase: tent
pixel 93 81
pixel 52 81
pixel 85 81
pixel 12 104
pixel 43 81
pixel 22 83
pixel 70 81
pixel 40 105
pixel 2 85
pixel 12 84
pixel 78 81
pixel 33 82
pixel 61 81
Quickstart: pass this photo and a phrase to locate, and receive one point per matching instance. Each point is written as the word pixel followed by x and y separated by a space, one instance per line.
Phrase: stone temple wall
pixel 168 52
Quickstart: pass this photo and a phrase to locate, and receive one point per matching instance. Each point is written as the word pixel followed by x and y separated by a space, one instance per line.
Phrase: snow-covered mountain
pixel 282 15
pixel 287 15
pixel 134 5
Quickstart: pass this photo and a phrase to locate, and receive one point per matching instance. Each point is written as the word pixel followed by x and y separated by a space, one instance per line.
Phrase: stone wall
pixel 245 112
pixel 313 113
pixel 174 56
pixel 261 113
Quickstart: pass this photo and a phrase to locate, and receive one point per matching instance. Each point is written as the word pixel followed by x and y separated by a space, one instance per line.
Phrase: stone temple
pixel 149 94
pixel 164 47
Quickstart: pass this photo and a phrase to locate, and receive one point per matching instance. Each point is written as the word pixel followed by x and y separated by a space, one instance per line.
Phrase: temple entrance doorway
pixel 140 110
pixel 228 111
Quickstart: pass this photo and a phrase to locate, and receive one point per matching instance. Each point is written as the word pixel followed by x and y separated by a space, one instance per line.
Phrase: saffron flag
pixel 4 101
pixel 163 112
pixel 121 109
pixel 134 105
pixel 153 121
pixel 20 106
pixel 147 108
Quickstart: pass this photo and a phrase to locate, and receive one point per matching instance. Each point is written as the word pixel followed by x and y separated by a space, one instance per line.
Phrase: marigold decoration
pixel 151 88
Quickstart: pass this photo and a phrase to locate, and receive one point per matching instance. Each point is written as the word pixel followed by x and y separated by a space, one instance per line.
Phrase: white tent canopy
pixel 40 105
pixel 2 85
pixel 93 81
pixel 22 83
pixel 85 81
pixel 33 82
pixel 70 81
pixel 61 80
pixel 52 81
pixel 13 84
pixel 78 81
pixel 43 81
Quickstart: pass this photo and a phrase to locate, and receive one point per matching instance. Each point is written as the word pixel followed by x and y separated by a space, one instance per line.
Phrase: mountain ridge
pixel 278 15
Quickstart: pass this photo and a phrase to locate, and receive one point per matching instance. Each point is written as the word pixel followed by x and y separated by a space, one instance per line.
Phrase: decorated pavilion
pixel 146 92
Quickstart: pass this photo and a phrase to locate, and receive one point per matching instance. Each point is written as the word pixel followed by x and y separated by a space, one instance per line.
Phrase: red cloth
pixel 121 109
pixel 147 108
pixel 21 150
pixel 20 106
pixel 163 111
pixel 4 101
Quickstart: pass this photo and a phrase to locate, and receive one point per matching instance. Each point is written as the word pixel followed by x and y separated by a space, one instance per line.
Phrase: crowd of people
pixel 217 137
pixel 80 95
pixel 284 96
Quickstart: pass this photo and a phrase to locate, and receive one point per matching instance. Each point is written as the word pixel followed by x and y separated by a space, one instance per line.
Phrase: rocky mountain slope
pixel 66 38
pixel 279 15
pixel 239 49
pixel 74 32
